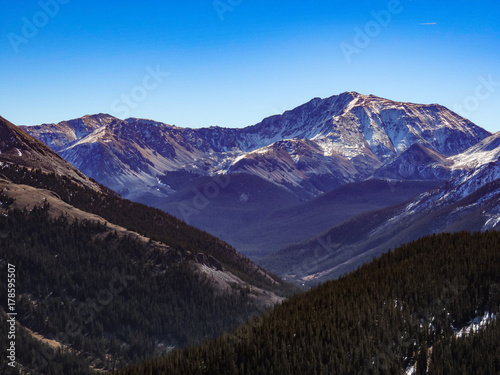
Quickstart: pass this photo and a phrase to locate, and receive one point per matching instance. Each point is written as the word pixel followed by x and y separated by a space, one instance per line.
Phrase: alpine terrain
pixel 265 186
pixel 309 150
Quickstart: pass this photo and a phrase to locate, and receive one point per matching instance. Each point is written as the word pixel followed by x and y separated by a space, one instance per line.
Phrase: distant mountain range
pixel 340 171
pixel 307 151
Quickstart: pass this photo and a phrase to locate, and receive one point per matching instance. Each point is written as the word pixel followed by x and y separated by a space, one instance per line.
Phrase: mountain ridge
pixel 313 148
pixel 404 313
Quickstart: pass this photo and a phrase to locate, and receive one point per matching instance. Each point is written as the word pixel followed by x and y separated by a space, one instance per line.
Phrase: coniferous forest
pixel 400 312
pixel 109 297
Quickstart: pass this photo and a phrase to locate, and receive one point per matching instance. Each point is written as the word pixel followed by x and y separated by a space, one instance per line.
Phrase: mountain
pixel 354 135
pixel 57 136
pixel 20 149
pixel 308 151
pixel 431 306
pixel 102 281
pixel 234 183
pixel 468 201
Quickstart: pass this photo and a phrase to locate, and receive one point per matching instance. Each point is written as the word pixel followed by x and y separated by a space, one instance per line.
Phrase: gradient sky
pixel 232 63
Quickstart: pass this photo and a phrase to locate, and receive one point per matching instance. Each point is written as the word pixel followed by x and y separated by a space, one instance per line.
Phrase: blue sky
pixel 232 63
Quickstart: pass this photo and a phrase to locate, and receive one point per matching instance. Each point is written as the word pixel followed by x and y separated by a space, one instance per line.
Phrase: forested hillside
pixel 150 222
pixel 400 313
pixel 111 298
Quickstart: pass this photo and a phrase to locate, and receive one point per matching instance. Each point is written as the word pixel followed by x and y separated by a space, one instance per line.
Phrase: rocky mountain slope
pixel 308 150
pixel 235 182
pixel 85 195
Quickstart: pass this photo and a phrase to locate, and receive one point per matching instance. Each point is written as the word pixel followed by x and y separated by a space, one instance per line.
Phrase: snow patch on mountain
pixel 476 325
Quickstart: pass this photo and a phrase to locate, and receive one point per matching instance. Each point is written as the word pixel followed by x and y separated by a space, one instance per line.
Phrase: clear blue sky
pixel 236 64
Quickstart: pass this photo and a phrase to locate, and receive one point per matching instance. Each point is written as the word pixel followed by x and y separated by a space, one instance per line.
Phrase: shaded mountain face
pixel 235 183
pixel 20 149
pixel 26 161
pixel 417 163
pixel 468 201
pixel 258 218
pixel 308 151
